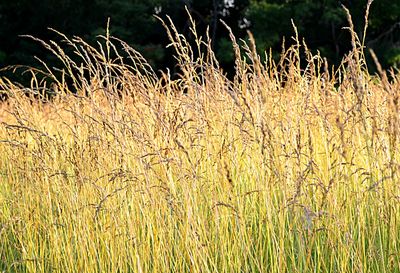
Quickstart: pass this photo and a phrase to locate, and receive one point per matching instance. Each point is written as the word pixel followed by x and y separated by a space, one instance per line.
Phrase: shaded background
pixel 319 22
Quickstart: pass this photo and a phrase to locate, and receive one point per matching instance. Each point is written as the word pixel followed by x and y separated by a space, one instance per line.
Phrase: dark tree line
pixel 320 22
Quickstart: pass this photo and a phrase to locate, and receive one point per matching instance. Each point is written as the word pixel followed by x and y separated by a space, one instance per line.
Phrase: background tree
pixel 319 22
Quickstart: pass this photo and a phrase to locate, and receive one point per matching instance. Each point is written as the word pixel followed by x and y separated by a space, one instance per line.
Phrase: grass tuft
pixel 288 167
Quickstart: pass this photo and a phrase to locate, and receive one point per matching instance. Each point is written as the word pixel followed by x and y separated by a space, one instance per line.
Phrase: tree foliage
pixel 320 23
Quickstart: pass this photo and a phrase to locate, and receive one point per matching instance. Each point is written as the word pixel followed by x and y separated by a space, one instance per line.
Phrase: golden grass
pixel 286 168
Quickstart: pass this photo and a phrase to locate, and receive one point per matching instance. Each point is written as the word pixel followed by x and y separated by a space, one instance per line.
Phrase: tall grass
pixel 289 167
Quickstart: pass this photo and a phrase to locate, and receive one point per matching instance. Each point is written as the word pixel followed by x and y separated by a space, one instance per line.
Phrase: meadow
pixel 289 166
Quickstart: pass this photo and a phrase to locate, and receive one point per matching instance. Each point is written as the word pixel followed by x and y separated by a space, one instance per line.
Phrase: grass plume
pixel 288 167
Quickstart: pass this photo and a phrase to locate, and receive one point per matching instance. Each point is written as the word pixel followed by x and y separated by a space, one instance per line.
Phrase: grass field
pixel 291 166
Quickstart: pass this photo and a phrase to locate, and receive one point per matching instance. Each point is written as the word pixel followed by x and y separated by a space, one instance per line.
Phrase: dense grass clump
pixel 289 167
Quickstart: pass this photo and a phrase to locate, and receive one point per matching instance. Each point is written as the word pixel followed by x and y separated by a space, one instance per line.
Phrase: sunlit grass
pixel 286 168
